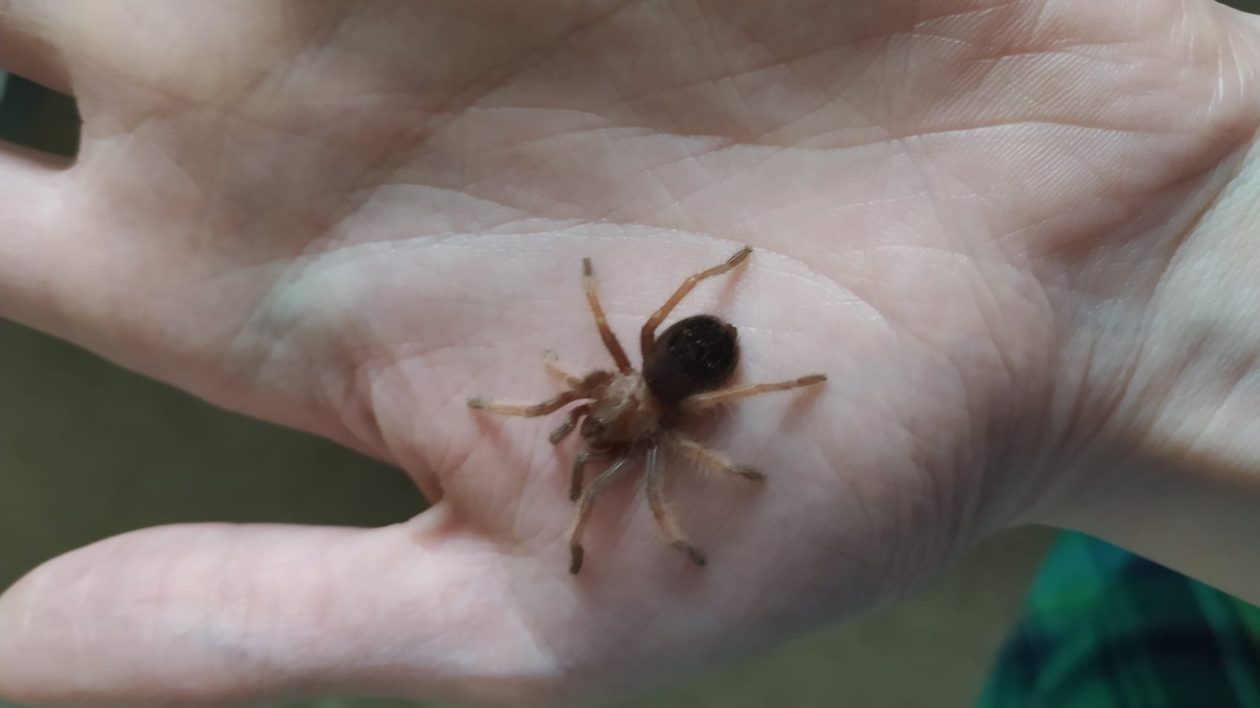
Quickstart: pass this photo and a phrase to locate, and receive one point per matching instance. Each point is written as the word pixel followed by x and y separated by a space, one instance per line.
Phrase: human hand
pixel 347 218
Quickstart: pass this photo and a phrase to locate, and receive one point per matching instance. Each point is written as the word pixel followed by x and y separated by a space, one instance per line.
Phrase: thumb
pixel 201 614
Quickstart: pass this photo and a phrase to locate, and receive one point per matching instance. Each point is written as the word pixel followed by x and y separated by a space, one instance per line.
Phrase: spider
pixel 626 413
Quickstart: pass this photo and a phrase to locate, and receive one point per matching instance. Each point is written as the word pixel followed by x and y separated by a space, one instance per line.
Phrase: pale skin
pixel 1019 237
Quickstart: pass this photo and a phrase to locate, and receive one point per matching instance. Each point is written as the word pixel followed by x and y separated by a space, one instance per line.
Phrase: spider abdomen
pixel 694 355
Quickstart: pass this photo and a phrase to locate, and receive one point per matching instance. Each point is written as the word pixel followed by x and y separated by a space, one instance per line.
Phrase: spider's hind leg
pixel 664 516
pixel 711 458
pixel 701 401
pixel 579 466
pixel 585 504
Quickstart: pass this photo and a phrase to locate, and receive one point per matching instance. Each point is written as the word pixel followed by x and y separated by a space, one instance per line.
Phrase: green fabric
pixel 1105 628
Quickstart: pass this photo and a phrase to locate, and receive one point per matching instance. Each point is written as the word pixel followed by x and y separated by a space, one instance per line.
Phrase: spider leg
pixel 587 501
pixel 552 363
pixel 665 520
pixel 610 340
pixel 700 401
pixel 647 336
pixel 562 432
pixel 527 411
pixel 579 464
pixel 711 458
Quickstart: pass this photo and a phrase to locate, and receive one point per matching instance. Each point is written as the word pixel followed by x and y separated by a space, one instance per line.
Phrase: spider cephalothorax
pixel 626 413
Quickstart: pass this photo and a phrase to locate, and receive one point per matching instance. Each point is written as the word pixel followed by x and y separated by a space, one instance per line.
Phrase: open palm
pixel 350 217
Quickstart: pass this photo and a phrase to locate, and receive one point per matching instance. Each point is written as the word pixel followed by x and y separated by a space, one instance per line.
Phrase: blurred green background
pixel 88 450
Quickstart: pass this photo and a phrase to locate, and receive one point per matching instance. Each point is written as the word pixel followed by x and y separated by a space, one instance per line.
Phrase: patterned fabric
pixel 1107 629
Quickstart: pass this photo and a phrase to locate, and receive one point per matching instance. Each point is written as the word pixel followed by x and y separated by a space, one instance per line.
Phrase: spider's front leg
pixel 551 363
pixel 527 411
pixel 601 320
pixel 647 335
pixel 562 432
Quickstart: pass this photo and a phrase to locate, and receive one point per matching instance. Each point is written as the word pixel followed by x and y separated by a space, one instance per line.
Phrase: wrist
pixel 1159 450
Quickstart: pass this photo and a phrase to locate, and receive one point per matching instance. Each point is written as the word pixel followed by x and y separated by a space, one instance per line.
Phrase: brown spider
pixel 627 412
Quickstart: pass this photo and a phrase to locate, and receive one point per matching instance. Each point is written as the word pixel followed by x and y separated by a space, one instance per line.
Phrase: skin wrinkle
pixel 1194 177
pixel 472 95
pixel 1056 434
pixel 1235 376
pixel 790 60
pixel 1196 349
pixel 433 465
pixel 678 199
pixel 543 467
pixel 710 33
pixel 358 419
pixel 535 633
pixel 556 200
pixel 954 367
pixel 1209 205
pixel 1078 440
pixel 175 163
pixel 244 592
pixel 1128 378
pixel 628 100
pixel 498 76
pixel 1012 383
